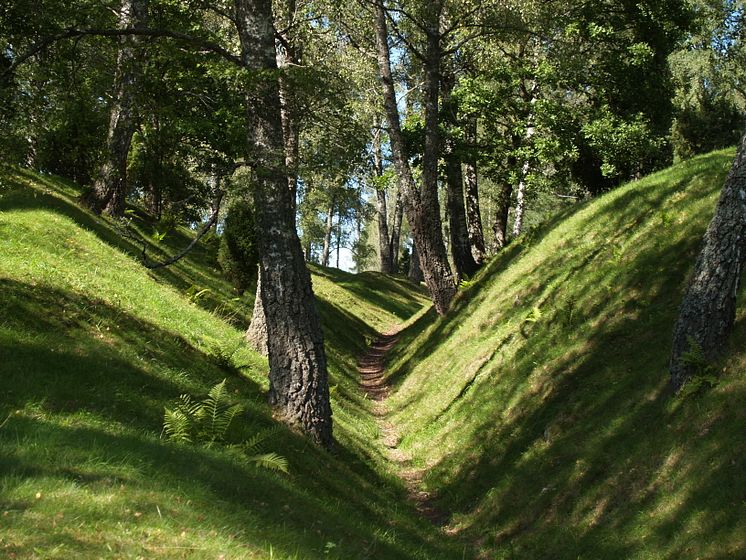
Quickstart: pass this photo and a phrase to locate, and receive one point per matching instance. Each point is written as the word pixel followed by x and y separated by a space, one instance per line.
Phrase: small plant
pixel 207 422
pixel 195 293
pixel 204 422
pixel 221 354
pixel 703 372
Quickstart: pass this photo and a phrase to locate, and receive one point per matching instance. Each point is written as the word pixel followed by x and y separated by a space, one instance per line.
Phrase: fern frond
pixel 177 425
pixel 270 461
pixel 253 444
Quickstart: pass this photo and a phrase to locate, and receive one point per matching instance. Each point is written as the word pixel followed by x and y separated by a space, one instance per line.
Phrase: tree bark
pixel 288 55
pixel 110 189
pixel 299 387
pixel 459 231
pixel 415 270
pixel 473 212
pixel 422 207
pixel 708 309
pixel 256 334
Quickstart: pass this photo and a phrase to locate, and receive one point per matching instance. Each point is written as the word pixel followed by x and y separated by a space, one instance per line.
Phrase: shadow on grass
pixel 573 446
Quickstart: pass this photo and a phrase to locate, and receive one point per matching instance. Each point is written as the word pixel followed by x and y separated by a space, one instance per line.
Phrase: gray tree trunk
pixel 422 207
pixel 256 335
pixel 415 270
pixel 708 309
pixel 109 191
pixel 298 379
pixel 288 55
pixel 473 211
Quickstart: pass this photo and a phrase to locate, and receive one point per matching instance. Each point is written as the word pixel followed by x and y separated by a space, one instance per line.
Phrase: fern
pixel 204 422
pixel 207 422
pixel 270 461
pixel 703 372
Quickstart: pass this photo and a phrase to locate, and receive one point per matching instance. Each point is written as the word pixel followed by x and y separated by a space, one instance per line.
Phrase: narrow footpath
pixel 372 367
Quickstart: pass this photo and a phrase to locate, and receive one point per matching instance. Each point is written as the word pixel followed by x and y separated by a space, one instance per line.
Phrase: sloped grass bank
pixel 93 346
pixel 540 406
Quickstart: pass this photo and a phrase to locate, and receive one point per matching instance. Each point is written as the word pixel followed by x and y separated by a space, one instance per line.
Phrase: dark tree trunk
pixel 459 231
pixel 328 235
pixel 109 191
pixel 708 310
pixel 299 387
pixel 500 225
pixel 415 270
pixel 422 207
pixel 473 212
pixel 256 335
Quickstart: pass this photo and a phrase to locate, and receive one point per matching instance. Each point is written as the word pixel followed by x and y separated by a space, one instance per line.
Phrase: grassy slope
pixel 552 434
pixel 92 346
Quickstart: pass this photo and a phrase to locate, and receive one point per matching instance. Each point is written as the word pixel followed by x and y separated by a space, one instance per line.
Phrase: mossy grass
pixel 92 348
pixel 540 407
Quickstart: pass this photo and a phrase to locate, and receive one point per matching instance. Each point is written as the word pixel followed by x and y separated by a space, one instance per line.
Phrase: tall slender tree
pixel 299 386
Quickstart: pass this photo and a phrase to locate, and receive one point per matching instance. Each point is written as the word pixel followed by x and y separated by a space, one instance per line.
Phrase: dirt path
pixel 372 366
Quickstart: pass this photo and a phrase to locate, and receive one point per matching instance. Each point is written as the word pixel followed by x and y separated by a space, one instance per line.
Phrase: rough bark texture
pixel 256 334
pixel 415 270
pixel 473 212
pixel 458 228
pixel 708 309
pixel 109 191
pixel 299 387
pixel 421 206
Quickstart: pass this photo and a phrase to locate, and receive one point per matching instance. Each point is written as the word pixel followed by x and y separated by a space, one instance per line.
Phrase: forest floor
pixel 372 368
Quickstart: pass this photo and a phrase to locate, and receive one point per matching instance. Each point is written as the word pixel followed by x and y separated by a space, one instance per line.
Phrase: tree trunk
pixel 339 237
pixel 520 200
pixel 256 335
pixel 500 225
pixel 395 239
pixel 422 207
pixel 459 231
pixel 299 387
pixel 328 235
pixel 415 270
pixel 109 191
pixel 382 215
pixel 708 309
pixel 473 212
pixel 288 55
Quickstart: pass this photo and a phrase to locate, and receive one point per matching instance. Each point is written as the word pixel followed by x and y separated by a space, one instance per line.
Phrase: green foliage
pixel 237 254
pixel 703 372
pixel 205 422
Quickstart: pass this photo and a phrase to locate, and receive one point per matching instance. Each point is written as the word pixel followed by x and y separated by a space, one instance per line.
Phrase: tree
pixel 421 205
pixel 299 386
pixel 708 310
pixel 109 191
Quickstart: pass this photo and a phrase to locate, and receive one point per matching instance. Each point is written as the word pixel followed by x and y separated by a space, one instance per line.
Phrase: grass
pixel 540 406
pixel 93 346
